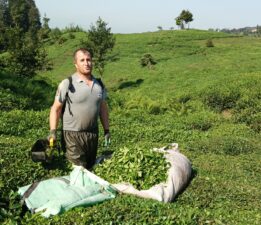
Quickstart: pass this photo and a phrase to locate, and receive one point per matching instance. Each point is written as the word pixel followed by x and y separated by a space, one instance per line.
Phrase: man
pixel 84 103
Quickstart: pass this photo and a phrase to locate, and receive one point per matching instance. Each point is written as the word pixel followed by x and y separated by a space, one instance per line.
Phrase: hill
pixel 207 99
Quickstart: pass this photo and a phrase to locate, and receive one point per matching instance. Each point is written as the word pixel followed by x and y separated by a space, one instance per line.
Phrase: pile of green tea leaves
pixel 140 167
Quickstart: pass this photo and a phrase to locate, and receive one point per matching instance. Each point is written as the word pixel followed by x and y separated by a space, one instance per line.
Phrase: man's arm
pixel 54 117
pixel 104 116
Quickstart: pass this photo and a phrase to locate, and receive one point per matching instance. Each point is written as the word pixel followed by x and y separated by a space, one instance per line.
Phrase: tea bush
pixel 221 96
pixel 203 120
pixel 23 93
pixel 227 139
pixel 24 123
pixel 148 61
pixel 11 101
pixel 146 104
pixel 209 43
pixel 248 110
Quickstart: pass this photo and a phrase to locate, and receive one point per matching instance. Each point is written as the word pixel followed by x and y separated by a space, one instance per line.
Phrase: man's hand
pixel 107 137
pixel 52 135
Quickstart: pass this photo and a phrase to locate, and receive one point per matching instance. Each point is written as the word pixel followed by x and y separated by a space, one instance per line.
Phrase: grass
pixel 205 99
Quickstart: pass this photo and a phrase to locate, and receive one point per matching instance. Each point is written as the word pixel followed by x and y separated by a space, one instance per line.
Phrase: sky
pixel 137 16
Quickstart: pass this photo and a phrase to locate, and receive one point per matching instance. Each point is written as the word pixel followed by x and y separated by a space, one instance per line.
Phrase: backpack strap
pixel 100 83
pixel 67 98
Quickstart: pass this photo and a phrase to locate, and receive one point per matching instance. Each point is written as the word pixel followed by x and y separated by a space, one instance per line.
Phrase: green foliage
pixel 185 16
pixel 62 40
pixel 147 60
pixel 10 101
pixel 179 22
pixel 221 96
pixel 184 99
pixel 209 43
pixel 29 59
pixel 25 15
pixel 23 93
pixel 72 28
pixel 71 35
pixel 248 108
pixel 22 123
pixel 20 31
pixel 139 166
pixel 45 30
pixel 202 120
pixel 226 139
pixel 55 34
pixel 100 41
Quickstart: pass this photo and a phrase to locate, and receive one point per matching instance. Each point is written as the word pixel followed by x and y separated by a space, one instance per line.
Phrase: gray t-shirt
pixel 82 111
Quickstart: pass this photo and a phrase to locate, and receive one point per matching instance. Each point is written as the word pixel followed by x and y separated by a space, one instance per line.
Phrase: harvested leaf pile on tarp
pixel 141 167
pixel 164 171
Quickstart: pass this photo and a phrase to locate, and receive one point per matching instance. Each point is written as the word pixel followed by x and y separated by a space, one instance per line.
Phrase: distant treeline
pixel 250 31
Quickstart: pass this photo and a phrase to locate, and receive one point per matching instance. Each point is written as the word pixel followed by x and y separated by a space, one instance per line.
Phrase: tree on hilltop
pixel 184 17
pixel 100 41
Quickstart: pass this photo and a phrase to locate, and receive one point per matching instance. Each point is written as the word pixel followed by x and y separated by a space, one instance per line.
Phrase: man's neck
pixel 85 76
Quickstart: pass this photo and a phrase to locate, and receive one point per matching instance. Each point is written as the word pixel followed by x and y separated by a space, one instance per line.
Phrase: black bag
pixel 41 151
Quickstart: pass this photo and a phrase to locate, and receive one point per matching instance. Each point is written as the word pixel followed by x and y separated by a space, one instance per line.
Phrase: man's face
pixel 83 63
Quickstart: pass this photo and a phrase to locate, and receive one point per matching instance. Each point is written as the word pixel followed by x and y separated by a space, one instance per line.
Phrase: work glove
pixel 52 135
pixel 107 137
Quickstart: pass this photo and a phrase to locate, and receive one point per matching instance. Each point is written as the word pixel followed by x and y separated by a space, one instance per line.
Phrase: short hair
pixel 83 50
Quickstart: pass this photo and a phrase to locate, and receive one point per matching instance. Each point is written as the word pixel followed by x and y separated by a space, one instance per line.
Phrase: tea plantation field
pixel 207 99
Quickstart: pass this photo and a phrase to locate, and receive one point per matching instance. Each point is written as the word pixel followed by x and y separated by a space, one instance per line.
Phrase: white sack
pixel 178 174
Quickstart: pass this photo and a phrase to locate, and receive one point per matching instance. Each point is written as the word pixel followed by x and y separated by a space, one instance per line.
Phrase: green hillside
pixel 207 99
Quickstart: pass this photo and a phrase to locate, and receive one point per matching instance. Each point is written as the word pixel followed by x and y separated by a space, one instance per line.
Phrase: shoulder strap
pixel 100 83
pixel 67 98
pixel 70 84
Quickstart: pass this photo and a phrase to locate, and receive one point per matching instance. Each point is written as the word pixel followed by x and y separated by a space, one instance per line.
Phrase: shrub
pixel 220 97
pixel 147 104
pixel 11 101
pixel 22 123
pixel 248 111
pixel 61 40
pixel 71 35
pixel 247 116
pixel 209 43
pixel 55 34
pixel 229 145
pixel 227 139
pixel 147 60
pixel 200 120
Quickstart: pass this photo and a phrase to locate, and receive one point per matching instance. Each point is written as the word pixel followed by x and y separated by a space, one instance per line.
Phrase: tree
pixel 100 41
pixel 20 24
pixel 33 17
pixel 179 23
pixel 4 23
pixel 44 32
pixel 160 28
pixel 25 15
pixel 30 57
pixel 185 16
